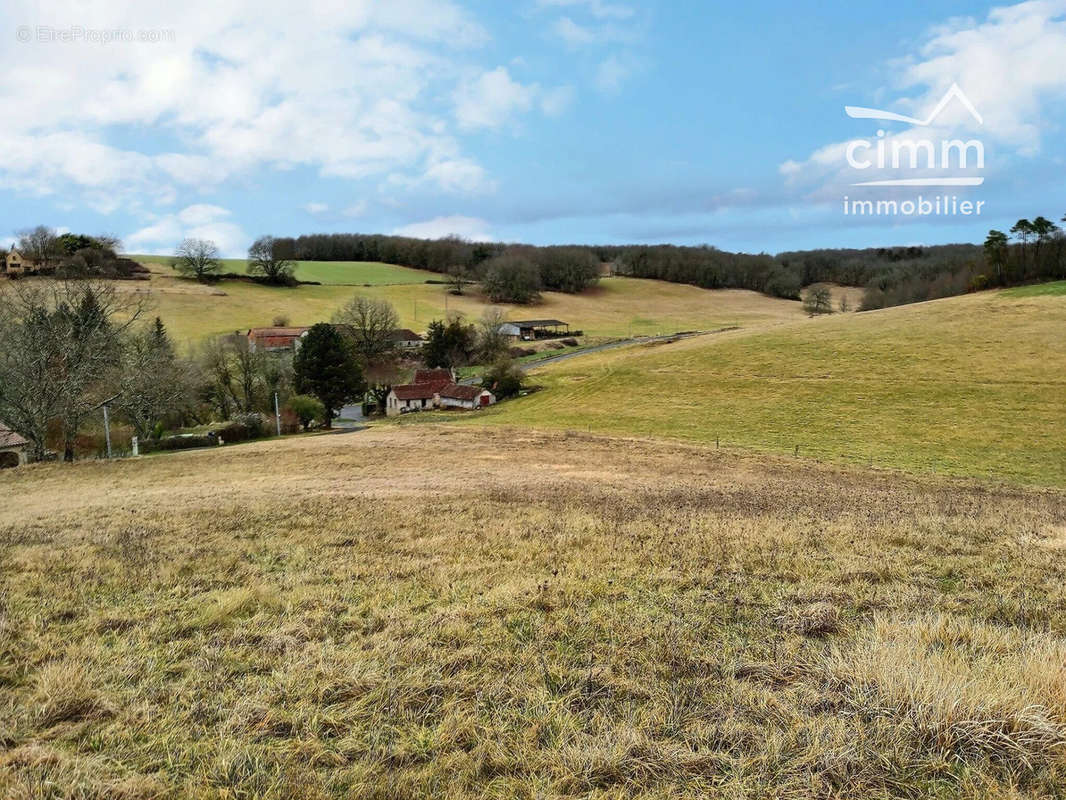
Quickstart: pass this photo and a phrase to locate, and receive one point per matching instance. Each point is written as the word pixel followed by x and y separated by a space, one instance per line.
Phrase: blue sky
pixel 544 121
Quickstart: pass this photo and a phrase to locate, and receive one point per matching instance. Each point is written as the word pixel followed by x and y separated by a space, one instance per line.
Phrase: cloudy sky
pixel 533 120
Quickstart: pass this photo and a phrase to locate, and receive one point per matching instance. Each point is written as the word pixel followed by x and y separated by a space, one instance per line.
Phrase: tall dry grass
pixel 456 613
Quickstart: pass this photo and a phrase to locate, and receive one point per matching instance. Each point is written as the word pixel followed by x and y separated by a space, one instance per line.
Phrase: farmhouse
pixel 410 397
pixel 530 329
pixel 406 339
pixel 269 340
pixel 435 388
pixel 12 448
pixel 14 263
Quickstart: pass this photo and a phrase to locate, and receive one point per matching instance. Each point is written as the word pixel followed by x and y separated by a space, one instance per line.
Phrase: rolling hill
pixel 973 385
pixel 618 307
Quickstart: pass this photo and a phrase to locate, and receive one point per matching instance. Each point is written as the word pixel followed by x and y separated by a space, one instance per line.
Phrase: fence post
pixel 136 448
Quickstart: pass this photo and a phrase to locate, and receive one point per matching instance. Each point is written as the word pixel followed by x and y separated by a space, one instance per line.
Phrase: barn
pixel 530 329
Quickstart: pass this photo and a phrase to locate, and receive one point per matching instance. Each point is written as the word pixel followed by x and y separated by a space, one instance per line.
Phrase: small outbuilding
pixel 12 448
pixel 530 329
pixel 457 395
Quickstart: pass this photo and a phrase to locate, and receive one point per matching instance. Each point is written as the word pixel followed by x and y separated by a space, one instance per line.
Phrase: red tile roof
pixel 439 375
pixel 9 438
pixel 415 391
pixel 293 332
pixel 457 391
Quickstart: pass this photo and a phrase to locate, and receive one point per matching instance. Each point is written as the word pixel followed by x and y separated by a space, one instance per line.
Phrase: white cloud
pixel 201 214
pixel 316 208
pixel 491 99
pixel 348 91
pixel 611 74
pixel 494 98
pixel 356 209
pixel 202 221
pixel 470 228
pixel 573 34
pixel 597 8
pixel 1012 66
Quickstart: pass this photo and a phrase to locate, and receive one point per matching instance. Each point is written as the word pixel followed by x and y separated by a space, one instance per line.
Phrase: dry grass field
pixel 972 385
pixel 450 611
pixel 618 307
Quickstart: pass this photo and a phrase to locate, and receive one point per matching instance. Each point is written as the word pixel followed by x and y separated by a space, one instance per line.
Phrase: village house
pixel 435 388
pixel 410 397
pixel 14 263
pixel 272 340
pixel 12 448
pixel 406 339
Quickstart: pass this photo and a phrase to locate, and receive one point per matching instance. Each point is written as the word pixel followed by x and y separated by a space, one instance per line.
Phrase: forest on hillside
pixel 1035 251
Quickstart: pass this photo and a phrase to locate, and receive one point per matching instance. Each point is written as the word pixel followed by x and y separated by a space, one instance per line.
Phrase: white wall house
pixel 12 448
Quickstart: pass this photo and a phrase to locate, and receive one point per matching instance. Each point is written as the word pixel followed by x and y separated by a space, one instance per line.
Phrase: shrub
pixel 504 379
pixel 307 409
pixel 176 443
pixel 818 300
pixel 243 428
pixel 570 341
pixel 521 352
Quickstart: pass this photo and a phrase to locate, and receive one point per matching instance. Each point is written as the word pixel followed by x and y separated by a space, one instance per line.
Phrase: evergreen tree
pixel 325 367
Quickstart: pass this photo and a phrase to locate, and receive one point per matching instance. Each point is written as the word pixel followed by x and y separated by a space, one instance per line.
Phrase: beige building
pixel 14 263
pixel 12 448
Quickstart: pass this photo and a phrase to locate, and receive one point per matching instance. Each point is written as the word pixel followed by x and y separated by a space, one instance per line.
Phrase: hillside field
pixel 973 385
pixel 561 616
pixel 330 273
pixel 618 307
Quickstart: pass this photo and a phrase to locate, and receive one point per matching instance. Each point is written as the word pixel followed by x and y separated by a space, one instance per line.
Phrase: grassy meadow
pixel 618 307
pixel 563 615
pixel 973 385
pixel 330 273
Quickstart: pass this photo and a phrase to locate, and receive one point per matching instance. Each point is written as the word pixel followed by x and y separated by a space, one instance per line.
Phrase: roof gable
pixel 415 391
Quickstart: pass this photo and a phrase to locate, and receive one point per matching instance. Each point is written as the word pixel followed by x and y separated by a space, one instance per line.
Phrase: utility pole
pixel 277 413
pixel 107 430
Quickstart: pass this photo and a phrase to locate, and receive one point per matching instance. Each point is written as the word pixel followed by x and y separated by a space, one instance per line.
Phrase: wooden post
pixel 107 431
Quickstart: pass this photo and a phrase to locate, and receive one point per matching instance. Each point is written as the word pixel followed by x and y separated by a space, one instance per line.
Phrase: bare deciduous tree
pixel 457 278
pixel 371 326
pixel 60 345
pixel 234 374
pixel 38 244
pixel 267 259
pixel 491 340
pixel 197 258
pixel 154 381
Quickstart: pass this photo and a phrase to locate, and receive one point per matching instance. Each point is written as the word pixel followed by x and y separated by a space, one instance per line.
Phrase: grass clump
pixel 590 618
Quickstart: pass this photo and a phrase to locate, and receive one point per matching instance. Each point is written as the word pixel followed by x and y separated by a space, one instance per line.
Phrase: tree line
pixel 74 255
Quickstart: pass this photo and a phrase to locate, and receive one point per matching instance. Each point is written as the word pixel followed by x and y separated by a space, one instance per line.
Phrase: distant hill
pixel 962 385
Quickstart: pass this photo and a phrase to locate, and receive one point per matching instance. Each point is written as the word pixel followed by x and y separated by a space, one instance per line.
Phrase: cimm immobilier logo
pixel 914 160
